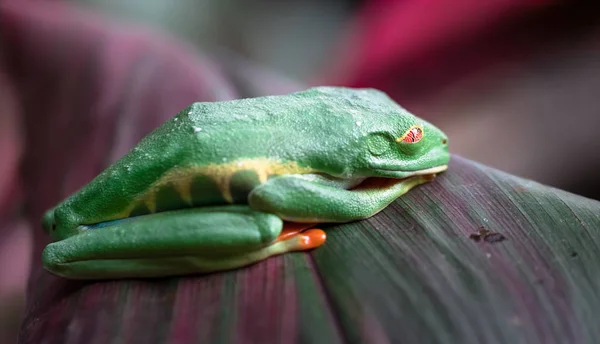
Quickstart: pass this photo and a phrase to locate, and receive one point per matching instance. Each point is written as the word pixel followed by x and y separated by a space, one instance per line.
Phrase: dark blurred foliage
pixel 412 49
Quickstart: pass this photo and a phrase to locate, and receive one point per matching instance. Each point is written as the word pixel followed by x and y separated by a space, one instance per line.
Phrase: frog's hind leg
pixel 178 242
pixel 175 243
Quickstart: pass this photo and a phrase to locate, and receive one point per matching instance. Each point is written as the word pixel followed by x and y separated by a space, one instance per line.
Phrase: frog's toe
pixel 303 241
pixel 297 236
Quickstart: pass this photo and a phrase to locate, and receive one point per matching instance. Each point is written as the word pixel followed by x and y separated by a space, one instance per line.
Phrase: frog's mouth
pixel 399 174
pixel 408 179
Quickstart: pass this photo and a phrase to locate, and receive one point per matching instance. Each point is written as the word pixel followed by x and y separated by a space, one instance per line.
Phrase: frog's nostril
pixel 444 141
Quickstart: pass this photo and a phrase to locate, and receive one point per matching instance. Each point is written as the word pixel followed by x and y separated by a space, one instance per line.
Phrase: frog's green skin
pixel 208 190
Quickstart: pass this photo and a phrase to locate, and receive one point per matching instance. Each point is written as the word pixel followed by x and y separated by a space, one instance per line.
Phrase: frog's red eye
pixel 413 135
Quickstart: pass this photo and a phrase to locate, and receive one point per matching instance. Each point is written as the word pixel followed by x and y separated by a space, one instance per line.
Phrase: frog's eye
pixel 413 135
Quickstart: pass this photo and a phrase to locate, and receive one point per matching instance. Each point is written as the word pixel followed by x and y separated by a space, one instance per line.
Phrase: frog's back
pixel 214 153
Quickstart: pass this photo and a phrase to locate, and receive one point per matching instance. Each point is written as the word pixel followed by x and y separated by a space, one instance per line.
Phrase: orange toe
pixel 298 237
pixel 311 238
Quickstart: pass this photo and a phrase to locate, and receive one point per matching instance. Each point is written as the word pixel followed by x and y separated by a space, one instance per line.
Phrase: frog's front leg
pixel 311 198
pixel 174 243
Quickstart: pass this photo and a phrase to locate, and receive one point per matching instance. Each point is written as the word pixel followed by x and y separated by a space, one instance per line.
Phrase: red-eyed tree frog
pixel 226 184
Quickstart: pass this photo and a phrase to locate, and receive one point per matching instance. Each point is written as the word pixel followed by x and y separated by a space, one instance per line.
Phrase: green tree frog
pixel 226 184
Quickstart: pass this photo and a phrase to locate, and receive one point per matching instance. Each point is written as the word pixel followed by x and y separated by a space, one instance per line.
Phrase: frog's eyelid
pixel 413 135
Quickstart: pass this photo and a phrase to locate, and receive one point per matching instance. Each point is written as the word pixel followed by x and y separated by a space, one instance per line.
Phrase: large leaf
pixel 414 273
pixel 423 270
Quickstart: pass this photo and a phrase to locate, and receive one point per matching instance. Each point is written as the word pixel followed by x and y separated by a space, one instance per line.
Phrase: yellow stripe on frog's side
pixel 221 174
pixel 150 201
pixel 181 178
pixel 184 191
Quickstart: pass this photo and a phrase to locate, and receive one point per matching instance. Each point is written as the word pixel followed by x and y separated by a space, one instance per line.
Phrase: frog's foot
pixel 300 237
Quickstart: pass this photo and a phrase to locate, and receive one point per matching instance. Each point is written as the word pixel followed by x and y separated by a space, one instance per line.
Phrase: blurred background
pixel 514 83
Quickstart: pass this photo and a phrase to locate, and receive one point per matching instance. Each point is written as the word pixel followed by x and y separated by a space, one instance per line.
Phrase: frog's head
pixel 386 140
pixel 409 147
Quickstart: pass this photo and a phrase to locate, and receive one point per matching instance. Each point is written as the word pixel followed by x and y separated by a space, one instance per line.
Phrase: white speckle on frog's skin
pixel 224 159
pixel 175 119
pixel 359 123
pixel 197 130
